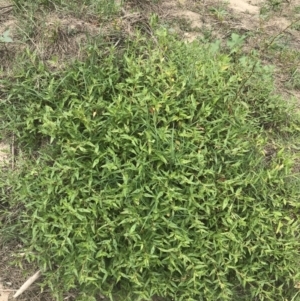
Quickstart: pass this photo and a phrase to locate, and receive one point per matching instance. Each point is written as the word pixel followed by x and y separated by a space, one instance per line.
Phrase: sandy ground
pixel 4 153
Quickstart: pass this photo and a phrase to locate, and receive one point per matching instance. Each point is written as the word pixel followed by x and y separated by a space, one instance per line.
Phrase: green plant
pixel 9 226
pixel 207 34
pixel 184 24
pixel 297 9
pixel 296 26
pixel 271 6
pixel 154 173
pixel 5 37
pixel 294 81
pixel 218 12
pixel 235 43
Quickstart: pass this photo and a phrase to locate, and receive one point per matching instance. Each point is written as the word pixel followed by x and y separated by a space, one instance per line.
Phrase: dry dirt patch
pixel 4 292
pixel 4 153
pixel 7 22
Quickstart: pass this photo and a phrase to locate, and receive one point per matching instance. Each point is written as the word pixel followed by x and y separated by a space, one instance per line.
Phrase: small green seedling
pixel 5 37
pixel 236 42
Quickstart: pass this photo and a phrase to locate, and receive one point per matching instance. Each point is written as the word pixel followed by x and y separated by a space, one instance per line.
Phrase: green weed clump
pixel 155 171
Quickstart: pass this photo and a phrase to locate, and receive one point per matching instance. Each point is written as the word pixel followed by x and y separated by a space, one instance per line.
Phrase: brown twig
pixel 13 152
pixel 27 284
pixel 6 9
pixel 7 6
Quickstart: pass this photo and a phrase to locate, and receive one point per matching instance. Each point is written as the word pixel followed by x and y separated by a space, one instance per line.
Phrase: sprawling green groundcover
pixel 156 169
